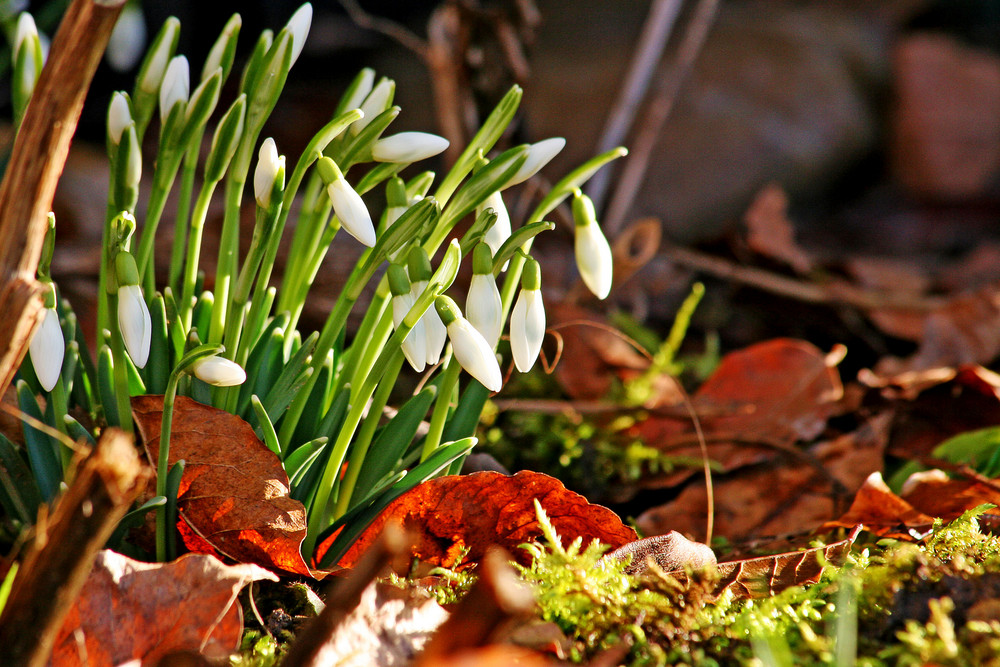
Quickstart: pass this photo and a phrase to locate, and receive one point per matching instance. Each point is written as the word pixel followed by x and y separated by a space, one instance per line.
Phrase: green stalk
pixel 120 369
pixel 162 459
pixel 229 246
pixel 300 239
pixel 163 180
pixel 369 339
pixel 442 403
pixel 185 305
pixel 181 228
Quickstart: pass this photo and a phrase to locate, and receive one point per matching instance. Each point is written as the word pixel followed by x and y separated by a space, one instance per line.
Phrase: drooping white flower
pixel 483 305
pixel 407 147
pixel 351 210
pixel 499 232
pixel 219 371
pixel 176 86
pixel 593 253
pixel 471 350
pixel 539 155
pixel 415 344
pixel 269 163
pixel 375 103
pixel 119 117
pixel 135 323
pixel 527 320
pixel 47 349
pixel 299 26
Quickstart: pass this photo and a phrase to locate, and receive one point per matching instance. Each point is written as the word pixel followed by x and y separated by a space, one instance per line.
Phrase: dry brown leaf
pixel 130 610
pixel 451 514
pixel 947 499
pixel 771 233
pixel 882 512
pixel 234 492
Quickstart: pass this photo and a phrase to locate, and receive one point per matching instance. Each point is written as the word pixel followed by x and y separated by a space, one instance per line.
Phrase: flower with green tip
pixel 527 320
pixel 351 210
pixel 500 230
pixel 269 163
pixel 176 86
pixel 26 30
pixel 119 117
pixel 151 76
pixel 219 371
pixel 133 314
pixel 593 253
pixel 471 350
pixel 47 349
pixel 407 147
pixel 483 305
pixel 539 155
pixel 365 83
pixel 299 26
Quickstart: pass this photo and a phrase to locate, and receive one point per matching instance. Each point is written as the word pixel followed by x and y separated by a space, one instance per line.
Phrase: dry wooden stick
pixel 36 163
pixel 64 546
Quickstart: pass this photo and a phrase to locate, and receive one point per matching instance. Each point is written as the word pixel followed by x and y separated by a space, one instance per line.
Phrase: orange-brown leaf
pixel 450 514
pixel 129 610
pixel 882 512
pixel 234 491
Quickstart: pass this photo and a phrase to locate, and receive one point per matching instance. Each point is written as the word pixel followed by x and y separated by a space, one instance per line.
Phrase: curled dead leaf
pixel 233 496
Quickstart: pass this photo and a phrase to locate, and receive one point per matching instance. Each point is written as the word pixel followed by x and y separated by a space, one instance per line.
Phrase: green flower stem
pixel 181 226
pixel 229 246
pixel 168 162
pixel 166 424
pixel 59 411
pixel 442 405
pixel 120 369
pixel 366 433
pixel 190 279
pixel 241 293
pixel 369 339
pixel 326 228
pixel 300 237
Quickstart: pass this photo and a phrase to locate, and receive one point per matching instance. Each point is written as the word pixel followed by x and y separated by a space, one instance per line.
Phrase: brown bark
pixel 36 163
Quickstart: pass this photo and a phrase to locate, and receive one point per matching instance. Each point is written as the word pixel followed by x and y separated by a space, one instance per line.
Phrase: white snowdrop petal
pixel 299 26
pixel 415 344
pixel 219 372
pixel 47 349
pixel 265 173
pixel 351 211
pixel 176 86
pixel 539 155
pixel 527 329
pixel 474 354
pixel 119 117
pixel 593 259
pixel 484 309
pixel 135 323
pixel 407 147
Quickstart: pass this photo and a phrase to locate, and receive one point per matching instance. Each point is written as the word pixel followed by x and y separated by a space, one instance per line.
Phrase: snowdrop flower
pixel 500 230
pixel 266 176
pixel 151 76
pixel 133 315
pixel 415 344
pixel 26 30
pixel 299 26
pixel 220 56
pixel 407 147
pixel 119 117
pixel 593 254
pixel 47 349
pixel 483 306
pixel 435 334
pixel 176 86
pixel 377 101
pixel 362 87
pixel 471 350
pixel 539 155
pixel 347 204
pixel 219 372
pixel 527 320
pixel 128 39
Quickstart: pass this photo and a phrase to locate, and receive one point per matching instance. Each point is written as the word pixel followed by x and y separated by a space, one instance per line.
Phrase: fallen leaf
pixel 233 495
pixel 882 512
pixel 771 233
pixel 947 499
pixel 450 515
pixel 779 391
pixel 129 610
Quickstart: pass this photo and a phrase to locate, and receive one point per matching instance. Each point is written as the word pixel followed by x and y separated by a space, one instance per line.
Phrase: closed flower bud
pixel 407 147
pixel 471 350
pixel 47 349
pixel 363 85
pixel 268 165
pixel 299 26
pixel 593 253
pixel 527 320
pixel 119 117
pixel 219 372
pixel 539 155
pixel 26 30
pixel 150 77
pixel 351 210
pixel 176 86
pixel 128 39
pixel 134 322
pixel 499 232
pixel 377 101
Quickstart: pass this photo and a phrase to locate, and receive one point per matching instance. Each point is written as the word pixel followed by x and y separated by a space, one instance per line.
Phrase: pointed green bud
pixel 225 140
pixel 223 51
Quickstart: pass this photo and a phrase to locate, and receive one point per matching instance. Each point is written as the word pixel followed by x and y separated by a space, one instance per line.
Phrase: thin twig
pixel 659 110
pixel 655 33
pixel 390 29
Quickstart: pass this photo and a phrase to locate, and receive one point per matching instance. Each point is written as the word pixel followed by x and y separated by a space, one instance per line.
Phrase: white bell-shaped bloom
pixel 435 333
pixel 135 324
pixel 299 26
pixel 128 39
pixel 471 350
pixel 415 344
pixel 119 117
pixel 47 349
pixel 539 155
pixel 499 231
pixel 219 372
pixel 527 320
pixel 593 253
pixel 268 165
pixel 176 86
pixel 407 147
pixel 483 305
pixel 351 210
